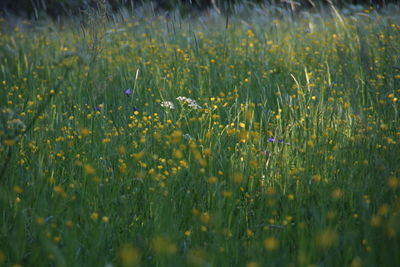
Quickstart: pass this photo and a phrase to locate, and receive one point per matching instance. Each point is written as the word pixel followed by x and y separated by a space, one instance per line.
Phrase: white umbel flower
pixel 168 104
pixel 190 102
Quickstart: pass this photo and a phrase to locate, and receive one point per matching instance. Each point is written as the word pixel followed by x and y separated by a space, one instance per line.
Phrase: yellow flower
pixel 271 243
pixel 129 256
pixel 252 264
pixel 316 178
pixel 393 182
pixel 212 180
pixel 237 177
pixel 326 238
pixel 94 216
pixel 162 245
pixel 9 142
pixel 84 132
pixel 226 194
pixel 336 194
pixel 89 169
pixel 205 217
pixel 18 189
pixel 58 189
pixel 40 220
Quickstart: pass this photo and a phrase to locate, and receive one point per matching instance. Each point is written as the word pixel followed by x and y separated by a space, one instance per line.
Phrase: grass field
pixel 253 140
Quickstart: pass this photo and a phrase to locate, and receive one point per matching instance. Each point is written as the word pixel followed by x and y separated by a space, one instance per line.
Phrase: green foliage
pixel 38 9
pixel 242 141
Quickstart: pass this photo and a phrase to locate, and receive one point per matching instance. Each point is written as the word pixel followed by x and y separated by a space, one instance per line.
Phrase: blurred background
pixel 57 8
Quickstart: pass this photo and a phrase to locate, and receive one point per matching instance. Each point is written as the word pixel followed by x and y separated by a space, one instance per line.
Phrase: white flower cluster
pixel 13 123
pixel 188 137
pixel 191 103
pixel 168 104
pixel 115 30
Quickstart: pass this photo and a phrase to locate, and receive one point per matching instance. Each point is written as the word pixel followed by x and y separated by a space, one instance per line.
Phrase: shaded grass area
pixel 284 150
pixel 66 8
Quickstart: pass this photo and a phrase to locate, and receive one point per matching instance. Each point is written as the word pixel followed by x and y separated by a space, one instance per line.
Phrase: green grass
pixel 94 177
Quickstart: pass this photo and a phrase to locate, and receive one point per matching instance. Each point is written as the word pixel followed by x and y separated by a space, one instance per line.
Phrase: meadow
pixel 256 139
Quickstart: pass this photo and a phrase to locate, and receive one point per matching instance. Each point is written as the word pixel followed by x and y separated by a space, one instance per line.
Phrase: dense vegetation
pixel 161 141
pixel 55 8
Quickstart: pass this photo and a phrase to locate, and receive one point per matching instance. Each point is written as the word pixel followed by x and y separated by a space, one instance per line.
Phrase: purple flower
pixel 128 92
pixel 135 109
pixel 98 108
pixel 272 140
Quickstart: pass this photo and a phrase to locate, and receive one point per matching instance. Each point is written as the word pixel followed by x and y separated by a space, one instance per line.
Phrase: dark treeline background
pixel 56 8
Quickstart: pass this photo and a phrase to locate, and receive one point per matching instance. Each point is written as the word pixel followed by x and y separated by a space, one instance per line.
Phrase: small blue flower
pixel 135 109
pixel 98 108
pixel 128 92
pixel 271 140
pixel 280 141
